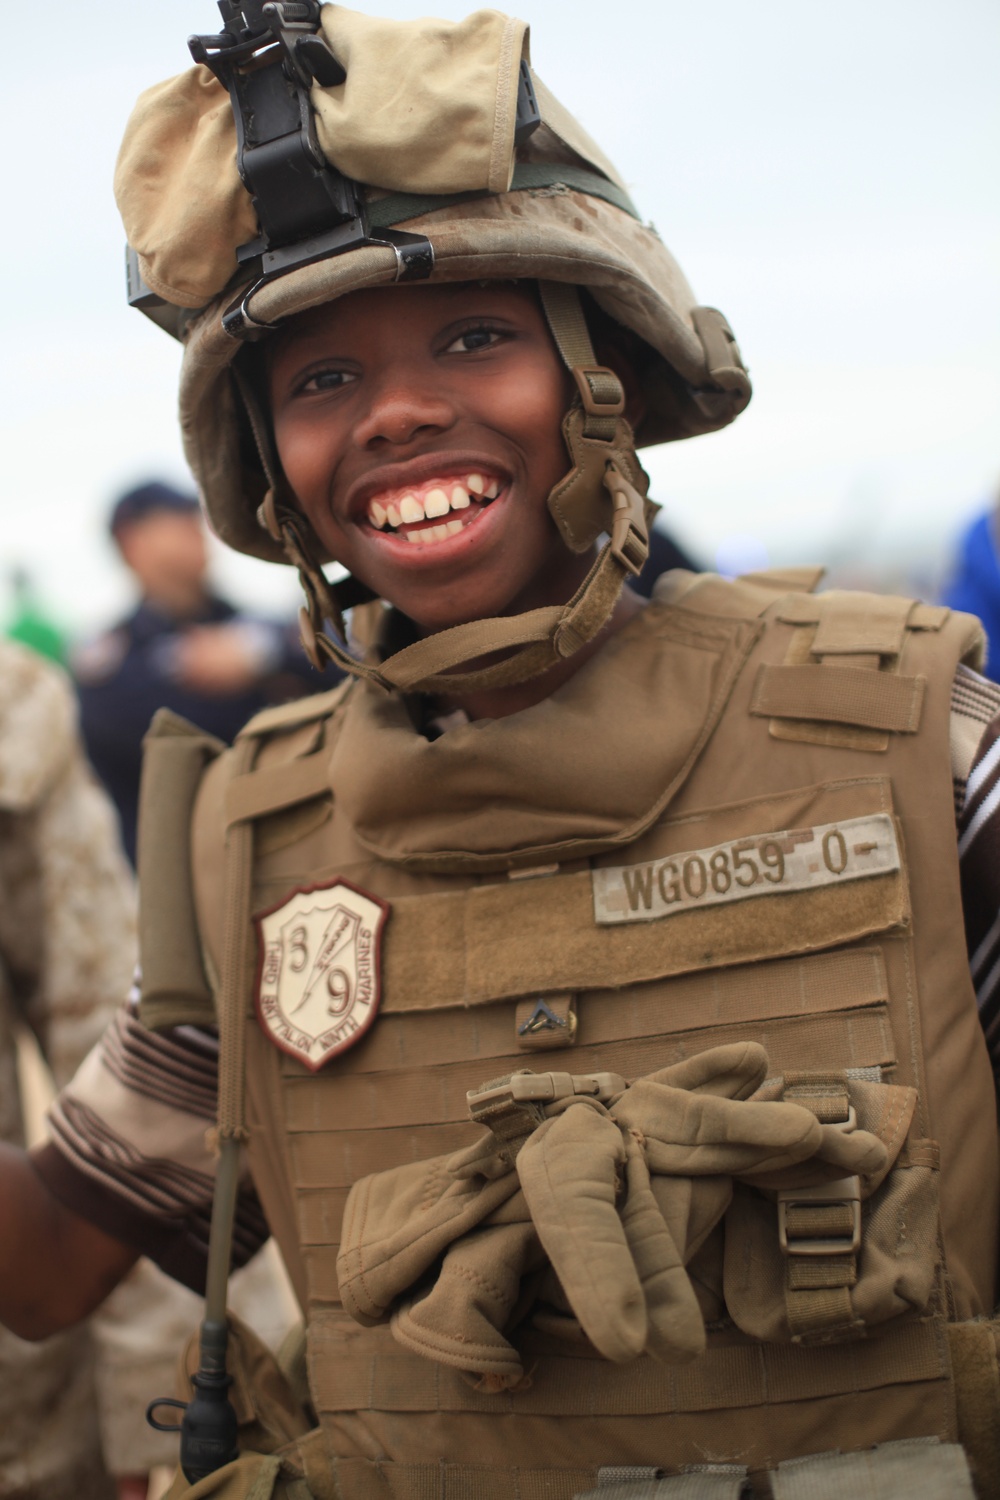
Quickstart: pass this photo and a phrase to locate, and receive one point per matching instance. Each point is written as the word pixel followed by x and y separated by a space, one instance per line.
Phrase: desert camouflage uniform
pixel 67 957
pixel 67 949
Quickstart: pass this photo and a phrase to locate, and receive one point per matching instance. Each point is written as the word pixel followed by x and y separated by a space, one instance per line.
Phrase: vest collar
pixel 584 771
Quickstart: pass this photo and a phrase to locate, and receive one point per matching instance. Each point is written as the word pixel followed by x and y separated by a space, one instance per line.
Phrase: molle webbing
pixel 175 990
pixel 799 1009
pixel 767 1380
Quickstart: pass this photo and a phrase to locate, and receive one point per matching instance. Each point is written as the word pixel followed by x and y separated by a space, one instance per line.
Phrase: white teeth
pixel 413 536
pixel 435 504
pixel 453 527
pixel 410 509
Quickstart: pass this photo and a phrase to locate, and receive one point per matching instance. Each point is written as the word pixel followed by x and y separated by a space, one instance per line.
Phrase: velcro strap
pixel 826 1094
pixel 848 695
pixel 816 1275
pixel 880 628
pixel 855 625
pixel 819 1221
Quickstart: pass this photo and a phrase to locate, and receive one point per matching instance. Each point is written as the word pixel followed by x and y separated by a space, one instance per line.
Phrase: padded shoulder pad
pixel 299 711
pixel 175 990
pixel 745 598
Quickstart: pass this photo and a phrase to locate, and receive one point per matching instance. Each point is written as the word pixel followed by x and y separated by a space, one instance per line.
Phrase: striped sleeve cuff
pixel 128 1148
pixel 979 864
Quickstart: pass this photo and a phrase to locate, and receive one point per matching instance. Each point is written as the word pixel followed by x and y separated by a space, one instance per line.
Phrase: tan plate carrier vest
pixel 723 713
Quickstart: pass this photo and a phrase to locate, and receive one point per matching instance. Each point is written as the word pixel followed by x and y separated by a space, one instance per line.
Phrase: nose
pixel 401 409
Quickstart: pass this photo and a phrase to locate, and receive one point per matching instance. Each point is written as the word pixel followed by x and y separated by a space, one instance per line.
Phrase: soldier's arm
pixel 55 1267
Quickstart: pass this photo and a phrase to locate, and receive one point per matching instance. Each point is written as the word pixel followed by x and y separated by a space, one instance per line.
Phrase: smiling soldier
pixel 595 1028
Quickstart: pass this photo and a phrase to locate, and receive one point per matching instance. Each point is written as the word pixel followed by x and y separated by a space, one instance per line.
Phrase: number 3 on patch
pixel 319 969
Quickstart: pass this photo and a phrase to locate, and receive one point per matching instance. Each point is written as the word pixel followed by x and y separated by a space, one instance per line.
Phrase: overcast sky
pixel 827 174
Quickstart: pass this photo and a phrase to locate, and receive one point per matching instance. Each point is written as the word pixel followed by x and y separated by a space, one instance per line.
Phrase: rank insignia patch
pixel 319 970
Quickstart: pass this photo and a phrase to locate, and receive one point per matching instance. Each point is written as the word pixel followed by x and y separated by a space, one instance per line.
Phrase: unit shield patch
pixel 319 969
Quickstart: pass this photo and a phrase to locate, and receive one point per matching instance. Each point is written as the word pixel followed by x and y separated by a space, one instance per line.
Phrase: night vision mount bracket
pixel 268 56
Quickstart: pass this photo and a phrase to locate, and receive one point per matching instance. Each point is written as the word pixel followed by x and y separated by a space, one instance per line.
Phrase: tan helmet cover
pixel 553 210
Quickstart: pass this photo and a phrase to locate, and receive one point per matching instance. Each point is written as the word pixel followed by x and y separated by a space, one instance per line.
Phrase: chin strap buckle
pixel 602 398
pixel 629 532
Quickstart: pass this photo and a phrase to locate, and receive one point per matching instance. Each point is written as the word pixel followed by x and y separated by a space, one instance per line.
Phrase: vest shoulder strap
pixel 885 650
pixel 175 989
pixel 284 716
pixel 745 598
pixel 277 779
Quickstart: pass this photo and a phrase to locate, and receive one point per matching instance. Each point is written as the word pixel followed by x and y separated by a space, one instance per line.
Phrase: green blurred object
pixel 29 623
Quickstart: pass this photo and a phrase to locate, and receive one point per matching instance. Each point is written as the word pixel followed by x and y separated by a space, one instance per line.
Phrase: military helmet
pixel 280 173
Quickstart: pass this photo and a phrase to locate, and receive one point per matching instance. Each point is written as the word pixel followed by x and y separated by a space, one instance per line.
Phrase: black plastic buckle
pixel 268 56
pixel 307 210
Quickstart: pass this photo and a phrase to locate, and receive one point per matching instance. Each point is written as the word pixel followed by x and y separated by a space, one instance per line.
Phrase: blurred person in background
pixel 975 581
pixel 183 647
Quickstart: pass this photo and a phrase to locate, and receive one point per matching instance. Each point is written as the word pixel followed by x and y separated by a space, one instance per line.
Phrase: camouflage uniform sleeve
pixel 67 944
pixel 68 926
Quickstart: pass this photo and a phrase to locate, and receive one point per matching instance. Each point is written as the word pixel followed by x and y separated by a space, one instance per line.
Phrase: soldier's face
pixel 420 430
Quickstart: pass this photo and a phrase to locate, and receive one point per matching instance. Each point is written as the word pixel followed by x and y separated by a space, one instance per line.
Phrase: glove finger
pixel 676 1330
pixel 569 1173
pixel 855 1152
pixel 698 1134
pixel 732 1071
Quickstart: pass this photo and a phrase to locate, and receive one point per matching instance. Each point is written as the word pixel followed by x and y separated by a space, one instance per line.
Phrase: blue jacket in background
pixel 975 585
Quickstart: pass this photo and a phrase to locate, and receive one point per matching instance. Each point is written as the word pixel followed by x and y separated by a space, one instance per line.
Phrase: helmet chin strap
pixel 603 493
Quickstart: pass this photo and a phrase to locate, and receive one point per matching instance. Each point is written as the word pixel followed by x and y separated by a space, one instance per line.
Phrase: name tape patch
pixel 766 864
pixel 319 970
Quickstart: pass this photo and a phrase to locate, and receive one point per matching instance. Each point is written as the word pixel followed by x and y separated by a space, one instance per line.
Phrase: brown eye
pixel 472 340
pixel 326 380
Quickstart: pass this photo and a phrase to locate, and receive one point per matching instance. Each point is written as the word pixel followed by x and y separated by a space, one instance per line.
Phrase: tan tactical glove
pixel 459 1319
pixel 397 1224
pixel 619 1240
pixel 618 1188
